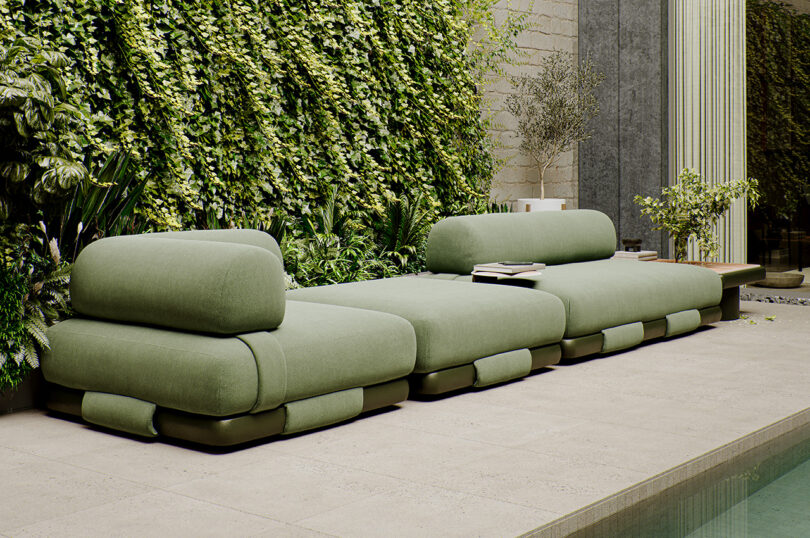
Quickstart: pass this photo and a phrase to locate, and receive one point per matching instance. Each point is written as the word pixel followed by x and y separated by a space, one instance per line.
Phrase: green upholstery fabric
pixel 455 322
pixel 502 367
pixel 606 293
pixel 456 244
pixel 271 369
pixel 317 350
pixel 331 348
pixel 622 337
pixel 119 413
pixel 323 410
pixel 202 286
pixel 255 238
pixel 188 372
pixel 682 322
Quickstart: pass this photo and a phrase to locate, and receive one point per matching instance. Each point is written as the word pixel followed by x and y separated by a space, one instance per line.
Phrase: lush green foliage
pixel 38 296
pixel 40 143
pixel 333 248
pixel 104 207
pixel 691 208
pixel 402 232
pixel 553 108
pixel 238 106
pixel 778 90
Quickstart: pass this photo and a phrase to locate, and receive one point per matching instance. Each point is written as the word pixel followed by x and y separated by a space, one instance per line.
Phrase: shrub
pixel 691 208
pixel 40 143
pixel 36 297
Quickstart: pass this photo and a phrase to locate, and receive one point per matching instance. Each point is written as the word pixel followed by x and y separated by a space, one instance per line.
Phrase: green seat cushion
pixel 203 286
pixel 606 293
pixel 201 374
pixel 455 322
pixel 331 348
pixel 255 238
pixel 318 349
pixel 456 244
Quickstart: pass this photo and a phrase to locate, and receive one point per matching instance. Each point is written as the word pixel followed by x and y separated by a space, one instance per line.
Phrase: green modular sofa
pixel 467 334
pixel 189 335
pixel 609 304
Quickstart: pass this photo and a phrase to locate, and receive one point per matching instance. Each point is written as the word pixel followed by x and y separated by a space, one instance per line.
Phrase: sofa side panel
pixel 199 374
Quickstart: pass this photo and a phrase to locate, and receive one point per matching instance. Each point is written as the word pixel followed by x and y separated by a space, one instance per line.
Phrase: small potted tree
pixel 691 208
pixel 553 109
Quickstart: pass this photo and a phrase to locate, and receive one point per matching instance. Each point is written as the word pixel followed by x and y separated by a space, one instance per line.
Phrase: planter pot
pixel 27 395
pixel 539 204
pixel 781 280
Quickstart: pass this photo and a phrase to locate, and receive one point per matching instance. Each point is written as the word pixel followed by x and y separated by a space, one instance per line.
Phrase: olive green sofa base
pixel 466 376
pixel 592 344
pixel 231 430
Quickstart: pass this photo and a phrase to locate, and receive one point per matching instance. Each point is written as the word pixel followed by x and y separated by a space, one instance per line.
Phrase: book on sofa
pixel 508 268
pixel 642 255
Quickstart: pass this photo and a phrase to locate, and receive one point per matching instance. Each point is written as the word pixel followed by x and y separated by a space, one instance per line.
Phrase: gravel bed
pixel 777 299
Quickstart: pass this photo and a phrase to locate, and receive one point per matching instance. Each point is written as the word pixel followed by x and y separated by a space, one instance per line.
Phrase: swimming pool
pixel 757 486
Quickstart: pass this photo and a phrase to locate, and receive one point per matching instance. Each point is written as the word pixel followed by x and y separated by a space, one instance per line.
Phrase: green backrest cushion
pixel 456 244
pixel 201 286
pixel 256 238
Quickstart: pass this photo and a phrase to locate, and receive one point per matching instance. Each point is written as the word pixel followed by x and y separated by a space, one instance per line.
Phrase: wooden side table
pixel 732 275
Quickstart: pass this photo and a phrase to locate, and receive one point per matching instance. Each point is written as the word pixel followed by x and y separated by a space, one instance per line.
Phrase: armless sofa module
pixel 189 335
pixel 609 304
pixel 466 334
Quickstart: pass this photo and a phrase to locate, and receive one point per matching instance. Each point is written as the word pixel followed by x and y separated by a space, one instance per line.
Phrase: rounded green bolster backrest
pixel 456 244
pixel 256 238
pixel 202 286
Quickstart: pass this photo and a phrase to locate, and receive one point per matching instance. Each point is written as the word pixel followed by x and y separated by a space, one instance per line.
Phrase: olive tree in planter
pixel 691 208
pixel 553 108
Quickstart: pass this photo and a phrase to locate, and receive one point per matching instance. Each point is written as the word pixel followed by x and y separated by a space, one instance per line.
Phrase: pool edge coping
pixel 642 491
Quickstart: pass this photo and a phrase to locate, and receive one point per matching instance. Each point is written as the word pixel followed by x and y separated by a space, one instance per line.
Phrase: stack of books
pixel 642 255
pixel 508 269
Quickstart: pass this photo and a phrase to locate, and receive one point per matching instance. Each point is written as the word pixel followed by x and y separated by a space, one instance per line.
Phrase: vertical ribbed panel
pixel 707 104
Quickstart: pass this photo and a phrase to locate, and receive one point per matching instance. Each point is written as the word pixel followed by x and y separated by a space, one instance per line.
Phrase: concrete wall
pixel 628 153
pixel 555 27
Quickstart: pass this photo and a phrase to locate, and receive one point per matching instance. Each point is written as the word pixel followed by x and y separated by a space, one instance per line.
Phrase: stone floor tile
pixel 424 511
pixel 538 481
pixel 286 488
pixel 46 489
pixel 163 465
pixel 156 513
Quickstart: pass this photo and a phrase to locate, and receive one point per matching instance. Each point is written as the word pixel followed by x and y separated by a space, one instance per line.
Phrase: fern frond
pixel 31 355
pixel 36 329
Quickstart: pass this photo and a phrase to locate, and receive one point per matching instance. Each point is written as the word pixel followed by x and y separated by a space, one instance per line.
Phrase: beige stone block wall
pixel 554 26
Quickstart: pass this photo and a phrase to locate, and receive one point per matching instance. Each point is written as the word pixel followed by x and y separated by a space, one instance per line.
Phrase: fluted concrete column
pixel 707 108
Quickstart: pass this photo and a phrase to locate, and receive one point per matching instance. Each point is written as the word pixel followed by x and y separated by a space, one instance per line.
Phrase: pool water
pixel 762 492
pixel 778 509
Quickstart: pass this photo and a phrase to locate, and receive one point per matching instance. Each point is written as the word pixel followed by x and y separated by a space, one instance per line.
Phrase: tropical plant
pixel 553 108
pixel 333 248
pixel 691 208
pixel 104 206
pixel 40 142
pixel 402 231
pixel 35 295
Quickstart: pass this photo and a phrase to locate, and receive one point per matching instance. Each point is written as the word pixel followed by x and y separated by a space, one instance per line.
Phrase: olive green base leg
pixel 730 303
